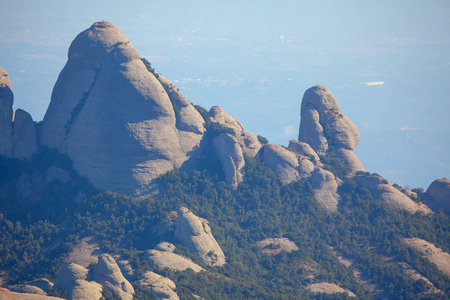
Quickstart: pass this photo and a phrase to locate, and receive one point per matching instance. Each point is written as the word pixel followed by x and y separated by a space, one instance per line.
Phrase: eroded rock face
pixel 114 119
pixel 6 113
pixel 320 113
pixel 6 294
pixel 167 259
pixel 194 232
pixel 432 253
pixel 230 155
pixel 73 279
pixel 273 246
pixel 39 286
pixel 283 162
pixel 382 189
pixel 328 288
pixel 24 136
pixel 68 275
pixel 108 274
pixel 230 143
pixel 304 149
pixel 162 286
pixel 325 189
pixel 438 194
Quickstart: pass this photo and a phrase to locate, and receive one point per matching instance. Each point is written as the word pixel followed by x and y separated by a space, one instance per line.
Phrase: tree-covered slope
pixel 364 231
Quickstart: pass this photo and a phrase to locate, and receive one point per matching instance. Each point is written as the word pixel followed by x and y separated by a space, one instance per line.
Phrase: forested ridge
pixel 35 238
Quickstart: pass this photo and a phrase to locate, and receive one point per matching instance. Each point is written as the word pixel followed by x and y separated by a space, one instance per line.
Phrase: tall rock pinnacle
pixel 6 113
pixel 114 118
pixel 323 124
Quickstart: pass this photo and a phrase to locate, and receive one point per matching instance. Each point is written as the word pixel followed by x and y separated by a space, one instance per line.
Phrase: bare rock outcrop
pixel 24 136
pixel 114 118
pixel 230 143
pixel 438 195
pixel 283 162
pixel 108 274
pixel 230 155
pixel 323 124
pixel 325 186
pixel 6 294
pixel 247 141
pixel 382 189
pixel 304 149
pixel 328 288
pixel 273 246
pixel 39 286
pixel 73 279
pixel 432 253
pixel 194 232
pixel 167 259
pixel 163 287
pixel 6 113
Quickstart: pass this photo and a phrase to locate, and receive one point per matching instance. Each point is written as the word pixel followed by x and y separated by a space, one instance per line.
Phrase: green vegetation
pixel 364 230
pixel 262 140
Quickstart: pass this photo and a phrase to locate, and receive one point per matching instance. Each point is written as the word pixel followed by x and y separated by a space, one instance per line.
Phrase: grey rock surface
pixel 73 279
pixel 328 288
pixel 247 141
pixel 195 233
pixel 325 189
pixel 304 149
pixel 382 189
pixel 86 290
pixel 283 162
pixel 6 113
pixel 438 195
pixel 162 286
pixel 67 276
pixel 6 294
pixel 320 112
pixel 166 259
pixel 231 143
pixel 114 119
pixel 24 136
pixel 108 274
pixel 273 246
pixel 230 155
pixel 432 253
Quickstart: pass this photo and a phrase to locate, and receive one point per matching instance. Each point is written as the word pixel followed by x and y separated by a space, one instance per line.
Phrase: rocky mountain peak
pixel 119 123
pixel 101 41
pixel 323 124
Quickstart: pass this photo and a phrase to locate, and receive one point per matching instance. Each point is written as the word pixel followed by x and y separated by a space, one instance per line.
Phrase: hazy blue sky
pixel 387 63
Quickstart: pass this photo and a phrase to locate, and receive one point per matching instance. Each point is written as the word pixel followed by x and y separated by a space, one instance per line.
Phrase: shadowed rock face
pixel 231 145
pixel 114 118
pixel 438 195
pixel 6 113
pixel 24 138
pixel 319 112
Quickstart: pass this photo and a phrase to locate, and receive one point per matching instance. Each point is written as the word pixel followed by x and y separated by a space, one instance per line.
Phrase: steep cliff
pixel 114 118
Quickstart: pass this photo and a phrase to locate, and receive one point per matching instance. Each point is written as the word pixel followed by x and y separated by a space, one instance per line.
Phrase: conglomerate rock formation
pixel 322 125
pixel 114 118
pixel 194 232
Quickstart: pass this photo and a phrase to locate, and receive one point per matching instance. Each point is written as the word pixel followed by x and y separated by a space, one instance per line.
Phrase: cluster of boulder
pixel 123 126
pixel 88 274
